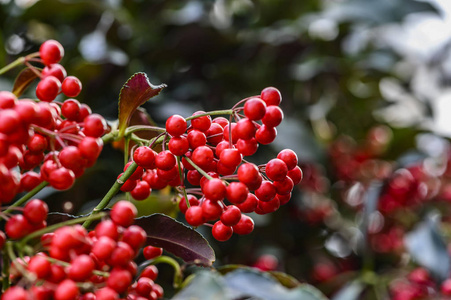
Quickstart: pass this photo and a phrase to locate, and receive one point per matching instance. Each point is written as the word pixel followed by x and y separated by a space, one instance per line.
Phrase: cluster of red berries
pixel 211 152
pixel 61 139
pixel 77 264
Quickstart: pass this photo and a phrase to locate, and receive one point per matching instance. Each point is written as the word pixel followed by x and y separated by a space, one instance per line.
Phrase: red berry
pixel 7 100
pixel 176 125
pixel 226 134
pixel 145 157
pixel 230 157
pixel 9 121
pixel 245 129
pixel 249 175
pixel 144 286
pixel 295 174
pixel 151 252
pixel 266 192
pixel 15 293
pixel 254 109
pixel 103 247
pixel 196 138
pixel 81 268
pixel 27 110
pixel 194 216
pixel 128 185
pixel 121 255
pixel 231 216
pixel 273 116
pixel 237 192
pixel 203 157
pixel 94 125
pixel 271 96
pixel 40 266
pixel 48 88
pixel 178 145
pixel 201 123
pixel 268 206
pixel 276 169
pixel 66 290
pixel 56 70
pixel 244 226
pixel 90 148
pixel 135 236
pixel 123 213
pixel 214 133
pixel 119 280
pixel 51 52
pixel 150 272
pixel 61 179
pixel 284 186
pixel 35 211
pixel 141 191
pixel 71 86
pixel 192 202
pixel 107 228
pixel 71 109
pixel 105 293
pixel 266 135
pixel 249 205
pixel 221 232
pixel 289 157
pixel 211 210
pixel 214 189
pixel 165 160
pixel 247 147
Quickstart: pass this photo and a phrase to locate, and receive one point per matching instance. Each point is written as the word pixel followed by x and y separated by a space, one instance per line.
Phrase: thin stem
pixel 52 228
pixel 133 129
pixel 182 181
pixel 113 191
pixel 16 63
pixel 26 197
pixel 126 150
pixel 211 113
pixel 178 275
pixel 5 272
pixel 109 137
pixel 198 169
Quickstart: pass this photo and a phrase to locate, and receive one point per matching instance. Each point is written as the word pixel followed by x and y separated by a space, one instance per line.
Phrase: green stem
pixel 111 193
pixel 182 181
pixel 5 272
pixel 211 113
pixel 133 129
pixel 178 275
pixel 27 196
pixel 16 63
pixel 52 228
pixel 110 137
pixel 198 169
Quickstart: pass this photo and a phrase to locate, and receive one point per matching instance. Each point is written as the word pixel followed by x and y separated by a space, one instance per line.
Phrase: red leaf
pixel 135 92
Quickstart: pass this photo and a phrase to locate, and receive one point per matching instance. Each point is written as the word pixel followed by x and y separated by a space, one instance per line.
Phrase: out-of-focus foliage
pixel 342 68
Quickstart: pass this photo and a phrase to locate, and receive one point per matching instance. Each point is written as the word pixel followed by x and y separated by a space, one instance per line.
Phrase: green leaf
pixel 204 285
pixel 177 238
pixel 135 92
pixel 23 80
pixel 248 282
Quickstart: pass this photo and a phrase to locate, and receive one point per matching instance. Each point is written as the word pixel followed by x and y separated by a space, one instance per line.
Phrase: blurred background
pixel 342 66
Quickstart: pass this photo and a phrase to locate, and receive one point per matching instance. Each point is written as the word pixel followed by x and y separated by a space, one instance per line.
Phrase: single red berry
pixel 119 280
pixel 266 192
pixel 51 52
pixel 295 174
pixel 136 174
pixel 56 70
pixel 231 216
pixel 196 138
pixel 70 157
pixel 230 157
pixel 268 206
pixel 276 169
pixel 203 157
pixel 255 109
pixel 226 133
pixel 151 252
pixel 71 86
pixel 135 236
pixel 150 272
pixel 129 184
pixel 244 226
pixel 105 293
pixel 37 143
pixel 271 96
pixel 71 109
pixel 145 157
pixel 85 111
pixel 121 255
pixel 27 110
pixel 35 211
pixel 214 189
pixel 7 100
pixel 178 145
pixel 165 160
pixel 48 88
pixel 107 228
pixel 15 293
pixel 249 175
pixel 141 191
pixel 194 216
pixel 201 123
pixel 61 179
pixel 283 199
pixel 81 268
pixel 247 147
pixel 273 116
pixel 176 125
pixel 193 177
pixel 289 157
pixel 40 266
pixel 446 287
pixel 211 210
pixel 237 192
pixel 94 125
pixel 221 232
pixel 214 133
pixel 144 286
pixel 249 205
pixel 67 290
pixel 284 186
pixel 9 121
pixel 90 148
pixel 103 247
pixel 245 129
pixel 266 135
pixel 168 175
pixel 123 213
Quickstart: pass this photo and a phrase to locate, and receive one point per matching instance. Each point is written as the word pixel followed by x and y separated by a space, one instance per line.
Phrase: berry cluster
pixel 76 264
pixel 211 153
pixel 48 141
